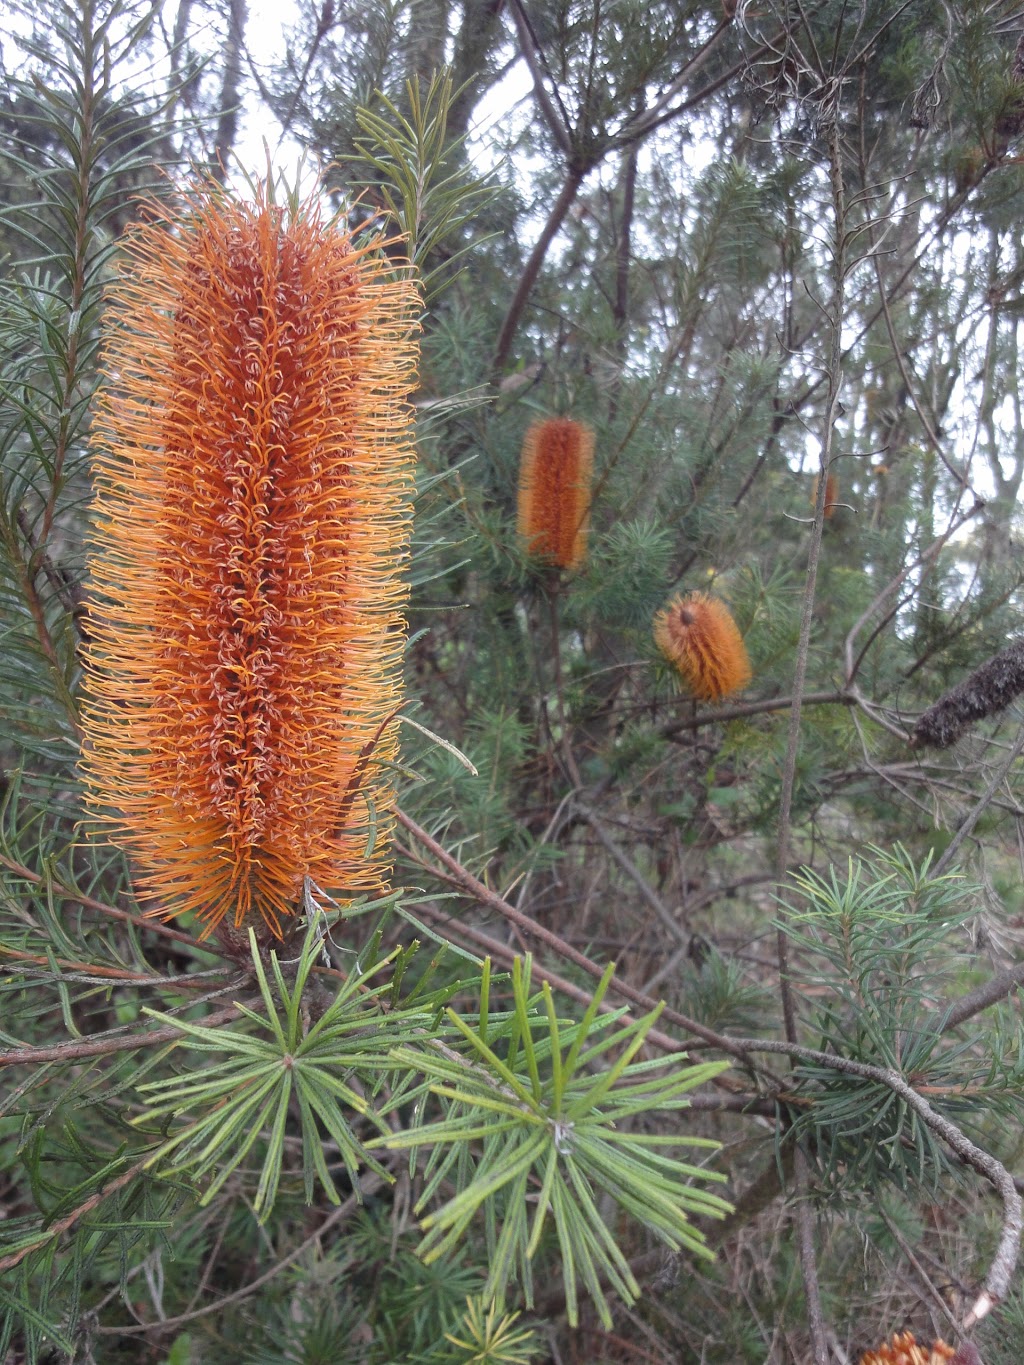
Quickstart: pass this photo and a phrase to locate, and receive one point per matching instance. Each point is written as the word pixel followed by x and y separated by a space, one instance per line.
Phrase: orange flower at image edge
pixel 699 637
pixel 251 516
pixel 904 1350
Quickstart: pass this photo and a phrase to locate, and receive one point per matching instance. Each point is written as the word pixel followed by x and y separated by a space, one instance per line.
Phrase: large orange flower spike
pixel 253 471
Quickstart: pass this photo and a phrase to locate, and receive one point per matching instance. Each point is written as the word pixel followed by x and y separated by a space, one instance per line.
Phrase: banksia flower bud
pixel 831 494
pixel 698 635
pixel 904 1350
pixel 554 490
pixel 253 474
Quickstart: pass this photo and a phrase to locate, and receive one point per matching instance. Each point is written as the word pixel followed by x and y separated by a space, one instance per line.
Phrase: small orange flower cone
pixel 251 516
pixel 698 635
pixel 554 491
pixel 904 1350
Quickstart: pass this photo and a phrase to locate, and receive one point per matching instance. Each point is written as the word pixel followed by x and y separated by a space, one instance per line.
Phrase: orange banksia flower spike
pixel 699 637
pixel 904 1350
pixel 554 491
pixel 251 516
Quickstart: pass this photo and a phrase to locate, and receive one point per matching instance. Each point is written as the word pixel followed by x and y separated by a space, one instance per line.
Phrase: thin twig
pixel 631 870
pixel 755 708
pixel 54 1230
pixel 104 1044
pixel 368 1184
pixel 999 1279
pixel 834 380
pixel 93 971
pixel 528 278
pixel 981 805
pixel 152 926
pixel 464 878
pixel 933 549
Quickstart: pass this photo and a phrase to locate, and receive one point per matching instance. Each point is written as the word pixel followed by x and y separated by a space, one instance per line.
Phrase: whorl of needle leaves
pixel 989 689
pixel 554 491
pixel 698 635
pixel 250 523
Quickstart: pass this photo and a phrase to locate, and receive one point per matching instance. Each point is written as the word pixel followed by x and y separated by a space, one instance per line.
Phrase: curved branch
pixel 531 270
pixel 1000 1274
pixel 558 122
pixel 152 926
pixel 526 925
pixel 967 1006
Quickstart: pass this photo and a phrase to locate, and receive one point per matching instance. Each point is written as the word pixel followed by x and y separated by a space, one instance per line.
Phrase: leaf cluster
pixel 554 1106
pixel 876 948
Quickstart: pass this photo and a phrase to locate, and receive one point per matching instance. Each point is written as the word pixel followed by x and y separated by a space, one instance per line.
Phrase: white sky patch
pixel 259 131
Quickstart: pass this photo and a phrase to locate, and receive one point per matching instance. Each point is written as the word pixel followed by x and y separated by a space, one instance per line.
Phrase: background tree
pixel 771 255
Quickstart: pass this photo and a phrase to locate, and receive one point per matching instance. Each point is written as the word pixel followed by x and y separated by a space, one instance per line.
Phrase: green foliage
pixel 627 577
pixel 430 197
pixel 79 148
pixel 541 1114
pixel 291 1061
pixel 881 939
pixel 489 1339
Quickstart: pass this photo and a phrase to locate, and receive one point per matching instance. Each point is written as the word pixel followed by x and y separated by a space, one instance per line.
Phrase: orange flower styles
pixel 698 635
pixel 253 473
pixel 904 1350
pixel 554 490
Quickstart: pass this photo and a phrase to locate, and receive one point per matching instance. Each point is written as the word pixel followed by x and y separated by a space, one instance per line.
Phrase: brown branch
pixel 25 574
pixel 999 1279
pixel 755 708
pixel 557 121
pixel 231 88
pixel 500 952
pixel 967 1006
pixel 804 1215
pixel 465 879
pixel 55 1229
pixel 106 1043
pixel 91 971
pixel 57 578
pixel 153 926
pixel 531 270
pixel 325 22
pixel 662 110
